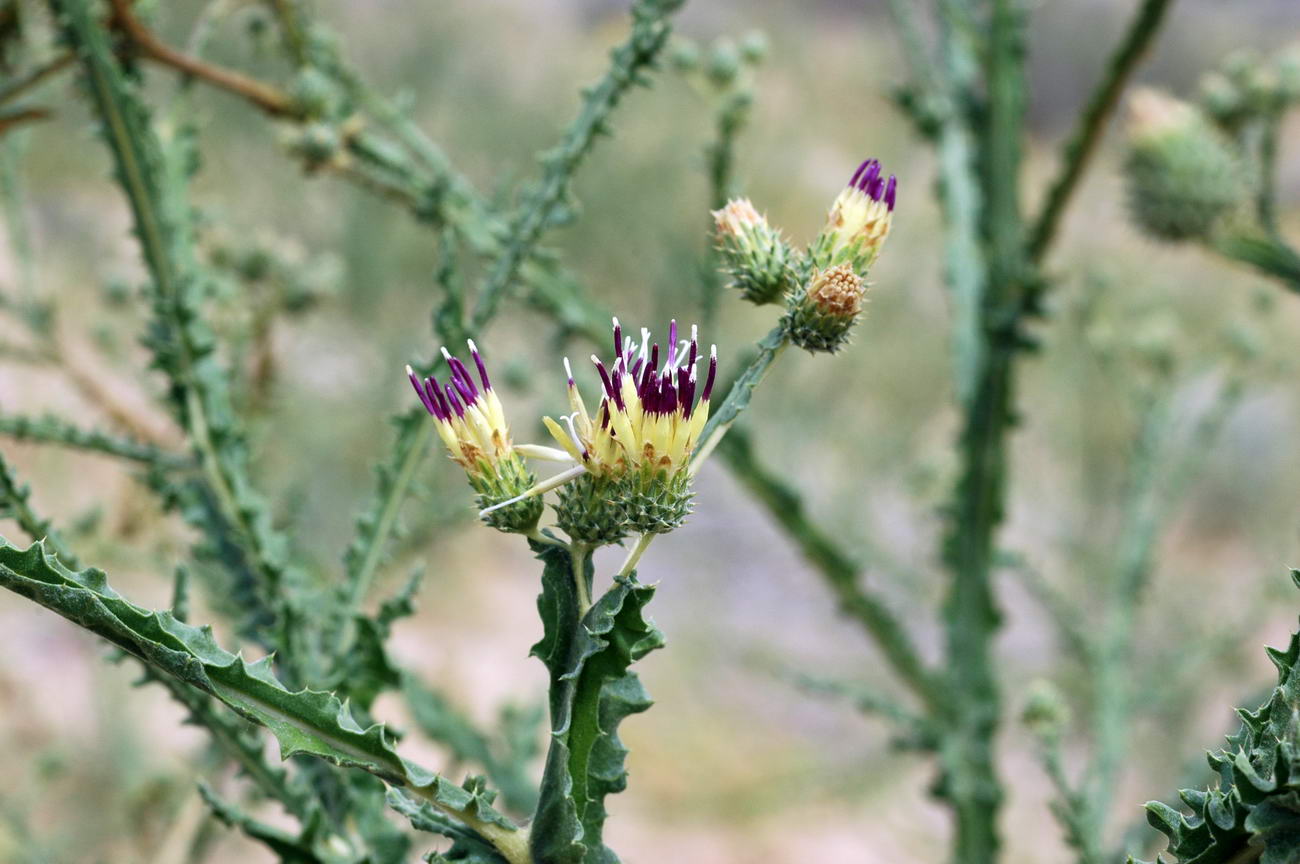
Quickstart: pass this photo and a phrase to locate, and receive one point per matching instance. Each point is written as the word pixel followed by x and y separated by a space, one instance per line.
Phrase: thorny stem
pixel 649 35
pixel 1083 140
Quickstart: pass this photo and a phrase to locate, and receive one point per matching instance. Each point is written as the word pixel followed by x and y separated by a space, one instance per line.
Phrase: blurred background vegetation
pixel 95 771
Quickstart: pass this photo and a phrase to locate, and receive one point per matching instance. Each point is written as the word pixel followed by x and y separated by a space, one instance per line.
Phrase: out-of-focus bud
pixel 822 313
pixel 724 62
pixel 684 55
pixel 1185 179
pixel 754 47
pixel 859 221
pixel 756 258
pixel 1045 714
pixel 1221 99
pixel 318 145
pixel 472 425
pixel 1288 73
pixel 314 95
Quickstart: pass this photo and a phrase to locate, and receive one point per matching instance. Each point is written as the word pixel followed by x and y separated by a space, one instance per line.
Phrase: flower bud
pixel 472 425
pixel 756 258
pixel 1184 176
pixel 822 314
pixel 859 221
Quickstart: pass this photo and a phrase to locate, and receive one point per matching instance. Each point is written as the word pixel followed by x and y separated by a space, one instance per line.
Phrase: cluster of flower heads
pixel 629 462
pixel 823 285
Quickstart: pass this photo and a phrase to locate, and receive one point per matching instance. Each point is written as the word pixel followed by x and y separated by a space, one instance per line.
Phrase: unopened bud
pixel 822 313
pixel 756 258
pixel 858 221
pixel 1184 176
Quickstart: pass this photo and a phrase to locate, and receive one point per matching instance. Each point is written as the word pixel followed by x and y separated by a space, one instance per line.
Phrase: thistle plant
pixel 629 438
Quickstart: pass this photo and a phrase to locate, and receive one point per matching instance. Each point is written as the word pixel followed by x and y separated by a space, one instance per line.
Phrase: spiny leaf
pixel 304 722
pixel 1257 802
pixel 592 691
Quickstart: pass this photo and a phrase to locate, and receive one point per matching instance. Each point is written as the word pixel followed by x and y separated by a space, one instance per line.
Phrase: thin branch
pixel 16 88
pixel 53 430
pixel 840 572
pixel 1082 143
pixel 265 96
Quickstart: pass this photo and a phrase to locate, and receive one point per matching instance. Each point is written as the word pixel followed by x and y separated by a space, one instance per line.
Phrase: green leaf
pixel 592 691
pixel 304 722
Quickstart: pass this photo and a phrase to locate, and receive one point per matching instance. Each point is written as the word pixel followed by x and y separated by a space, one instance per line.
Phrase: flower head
pixel 472 425
pixel 858 221
pixel 753 253
pixel 649 416
pixel 1185 177
pixel 630 459
pixel 822 314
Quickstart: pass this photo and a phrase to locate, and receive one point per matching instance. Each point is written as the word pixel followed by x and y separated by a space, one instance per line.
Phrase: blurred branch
pixel 1064 612
pixel 22 84
pixel 1082 143
pixel 1269 255
pixel 270 99
pixel 628 63
pixel 841 573
pixel 730 119
pixel 53 430
pixel 919 731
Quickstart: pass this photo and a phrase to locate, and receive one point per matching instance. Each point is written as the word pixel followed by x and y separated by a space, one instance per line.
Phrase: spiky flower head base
pixel 823 313
pixel 472 425
pixel 1184 176
pixel 758 262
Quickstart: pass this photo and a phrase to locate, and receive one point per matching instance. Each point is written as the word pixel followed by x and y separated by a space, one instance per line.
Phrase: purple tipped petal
pixel 464 383
pixel 636 369
pixel 891 191
pixel 618 339
pixel 695 353
pixel 617 382
pixel 604 414
pixel 419 391
pixel 672 341
pixel 482 370
pixel 453 400
pixel 604 377
pixel 654 356
pixel 853 181
pixel 876 189
pixel 713 374
pixel 435 396
pixel 869 176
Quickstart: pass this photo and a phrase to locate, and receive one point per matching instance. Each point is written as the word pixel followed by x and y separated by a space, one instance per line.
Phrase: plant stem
pixel 270 99
pixel 1083 141
pixel 634 554
pixel 578 553
pixel 840 572
pixel 769 349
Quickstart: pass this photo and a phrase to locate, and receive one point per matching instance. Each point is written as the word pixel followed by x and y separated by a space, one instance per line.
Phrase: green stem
pixel 1082 143
pixel 578 554
pixel 634 554
pixel 1269 255
pixel 841 573
pixel 771 347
